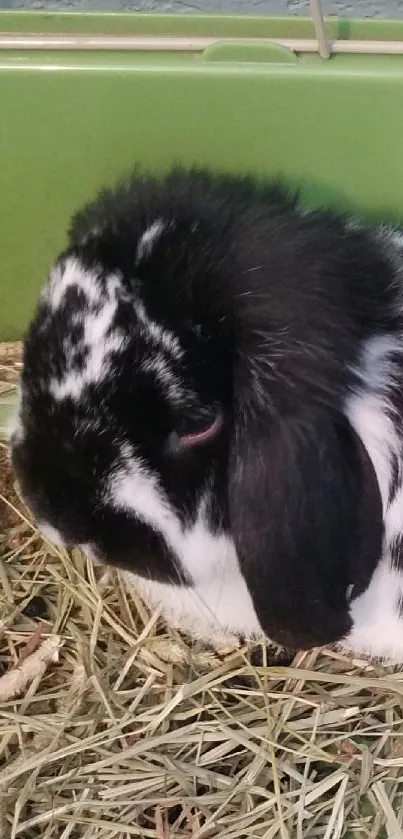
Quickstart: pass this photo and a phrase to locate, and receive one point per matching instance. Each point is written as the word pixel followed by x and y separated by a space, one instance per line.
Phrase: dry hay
pixel 121 728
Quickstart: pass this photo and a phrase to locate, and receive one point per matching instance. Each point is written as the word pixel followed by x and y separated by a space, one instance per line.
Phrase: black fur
pixel 272 307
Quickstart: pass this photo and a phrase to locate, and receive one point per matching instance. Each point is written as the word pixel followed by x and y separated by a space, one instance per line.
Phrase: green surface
pixel 71 122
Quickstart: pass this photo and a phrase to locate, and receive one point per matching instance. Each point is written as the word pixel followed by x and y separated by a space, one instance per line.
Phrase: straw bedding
pixel 113 726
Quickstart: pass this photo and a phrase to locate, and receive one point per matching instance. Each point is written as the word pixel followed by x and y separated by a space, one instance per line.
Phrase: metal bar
pixel 320 29
pixel 197 44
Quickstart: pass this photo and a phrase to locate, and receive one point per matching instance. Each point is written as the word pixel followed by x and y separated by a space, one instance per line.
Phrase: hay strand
pixel 30 667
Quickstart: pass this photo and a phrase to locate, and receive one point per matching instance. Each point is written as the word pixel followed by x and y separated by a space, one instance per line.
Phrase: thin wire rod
pixel 186 44
pixel 320 29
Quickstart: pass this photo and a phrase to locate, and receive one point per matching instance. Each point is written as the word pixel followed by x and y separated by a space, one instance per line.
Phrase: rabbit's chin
pixel 217 607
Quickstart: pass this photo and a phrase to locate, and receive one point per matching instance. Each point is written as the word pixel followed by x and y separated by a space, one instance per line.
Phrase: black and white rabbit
pixel 212 400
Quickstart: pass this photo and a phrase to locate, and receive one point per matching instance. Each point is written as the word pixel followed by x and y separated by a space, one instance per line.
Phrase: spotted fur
pixel 211 400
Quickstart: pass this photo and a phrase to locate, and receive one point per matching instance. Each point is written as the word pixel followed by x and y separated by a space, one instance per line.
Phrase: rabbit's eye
pixel 178 441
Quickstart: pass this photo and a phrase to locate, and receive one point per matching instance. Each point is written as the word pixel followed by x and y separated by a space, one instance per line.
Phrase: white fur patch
pixel 70 274
pixel 166 349
pixel 378 625
pixel 96 367
pixel 158 367
pixel 397 238
pixel 51 534
pixel 221 604
pixel 99 341
pixel 219 597
pixel 369 409
pixel 132 488
pixel 390 236
pixel 147 240
pixel 394 518
pixel 158 335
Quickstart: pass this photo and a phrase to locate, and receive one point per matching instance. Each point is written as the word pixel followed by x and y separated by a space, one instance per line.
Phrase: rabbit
pixel 212 401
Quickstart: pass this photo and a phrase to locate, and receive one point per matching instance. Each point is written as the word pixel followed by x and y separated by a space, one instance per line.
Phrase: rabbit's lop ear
pixel 306 514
